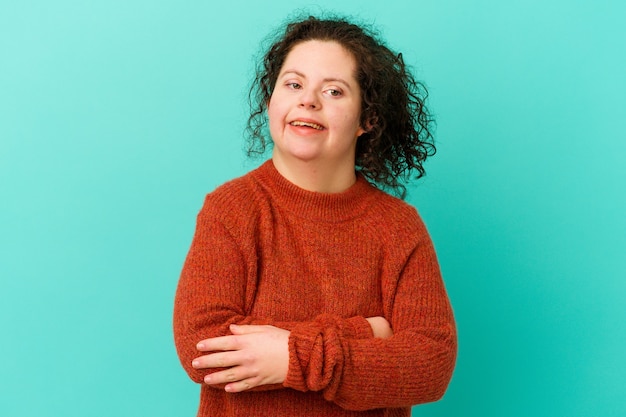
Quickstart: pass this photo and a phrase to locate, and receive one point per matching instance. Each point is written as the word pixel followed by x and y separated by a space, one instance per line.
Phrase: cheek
pixel 271 113
pixel 274 110
pixel 351 123
pixel 275 118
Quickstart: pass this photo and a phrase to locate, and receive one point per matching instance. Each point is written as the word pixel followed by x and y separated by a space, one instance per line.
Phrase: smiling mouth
pixel 307 124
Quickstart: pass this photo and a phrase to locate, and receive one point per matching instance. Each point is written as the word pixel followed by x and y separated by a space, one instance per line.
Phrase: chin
pixel 303 156
pixel 303 153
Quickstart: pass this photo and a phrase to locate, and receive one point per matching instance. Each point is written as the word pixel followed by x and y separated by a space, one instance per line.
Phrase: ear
pixel 369 125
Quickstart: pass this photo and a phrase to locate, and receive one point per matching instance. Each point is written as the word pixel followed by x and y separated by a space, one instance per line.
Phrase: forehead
pixel 326 58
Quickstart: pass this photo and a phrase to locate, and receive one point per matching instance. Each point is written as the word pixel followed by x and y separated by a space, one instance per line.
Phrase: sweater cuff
pixel 358 328
pixel 316 355
pixel 303 339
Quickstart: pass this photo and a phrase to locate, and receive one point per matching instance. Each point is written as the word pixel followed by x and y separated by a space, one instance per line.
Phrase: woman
pixel 307 290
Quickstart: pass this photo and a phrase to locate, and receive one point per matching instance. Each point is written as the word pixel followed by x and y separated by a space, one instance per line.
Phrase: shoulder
pixel 396 223
pixel 234 193
pixel 234 203
pixel 394 211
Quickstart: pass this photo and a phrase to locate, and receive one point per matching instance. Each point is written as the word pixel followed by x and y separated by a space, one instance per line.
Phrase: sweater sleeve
pixel 414 366
pixel 215 290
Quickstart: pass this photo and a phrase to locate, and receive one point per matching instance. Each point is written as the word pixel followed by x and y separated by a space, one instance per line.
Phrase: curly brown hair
pixel 399 126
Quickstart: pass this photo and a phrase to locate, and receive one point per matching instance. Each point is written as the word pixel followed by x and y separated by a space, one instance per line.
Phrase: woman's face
pixel 315 109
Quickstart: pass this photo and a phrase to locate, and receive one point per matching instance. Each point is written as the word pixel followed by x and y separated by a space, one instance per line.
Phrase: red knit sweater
pixel 268 252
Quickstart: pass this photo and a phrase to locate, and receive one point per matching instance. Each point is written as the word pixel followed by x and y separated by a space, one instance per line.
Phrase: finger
pixel 222 343
pixel 247 329
pixel 216 360
pixel 228 376
pixel 241 386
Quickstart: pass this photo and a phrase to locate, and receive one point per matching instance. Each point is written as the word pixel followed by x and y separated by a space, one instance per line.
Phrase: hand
pixel 380 327
pixel 253 356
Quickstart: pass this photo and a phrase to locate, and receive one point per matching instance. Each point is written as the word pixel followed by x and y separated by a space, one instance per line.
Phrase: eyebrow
pixel 329 79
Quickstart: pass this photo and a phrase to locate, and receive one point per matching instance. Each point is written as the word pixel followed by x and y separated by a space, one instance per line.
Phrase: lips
pixel 306 123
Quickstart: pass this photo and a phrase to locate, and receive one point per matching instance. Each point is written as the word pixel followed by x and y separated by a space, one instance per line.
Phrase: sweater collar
pixel 328 207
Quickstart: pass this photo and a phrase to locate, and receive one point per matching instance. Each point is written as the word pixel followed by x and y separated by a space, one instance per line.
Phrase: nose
pixel 309 100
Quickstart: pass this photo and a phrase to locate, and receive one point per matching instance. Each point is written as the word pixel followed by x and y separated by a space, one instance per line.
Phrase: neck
pixel 317 176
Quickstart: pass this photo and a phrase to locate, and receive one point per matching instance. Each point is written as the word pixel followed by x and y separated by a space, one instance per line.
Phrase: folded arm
pixel 411 367
pixel 339 357
pixel 214 293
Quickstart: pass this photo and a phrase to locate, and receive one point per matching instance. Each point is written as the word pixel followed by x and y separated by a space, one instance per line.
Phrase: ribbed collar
pixel 327 207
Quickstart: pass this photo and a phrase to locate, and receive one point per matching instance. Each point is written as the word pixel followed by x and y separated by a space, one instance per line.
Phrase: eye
pixel 294 85
pixel 333 92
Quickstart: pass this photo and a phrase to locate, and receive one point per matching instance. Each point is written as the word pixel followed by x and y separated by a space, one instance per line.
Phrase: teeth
pixel 312 125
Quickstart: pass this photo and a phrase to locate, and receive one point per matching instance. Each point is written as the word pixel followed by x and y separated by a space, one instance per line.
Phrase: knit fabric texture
pixel 268 252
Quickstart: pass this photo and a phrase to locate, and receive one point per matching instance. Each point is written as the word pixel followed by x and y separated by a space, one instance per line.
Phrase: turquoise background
pixel 116 117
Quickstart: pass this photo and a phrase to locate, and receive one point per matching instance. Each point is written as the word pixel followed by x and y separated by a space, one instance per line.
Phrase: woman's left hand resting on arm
pixel 256 355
